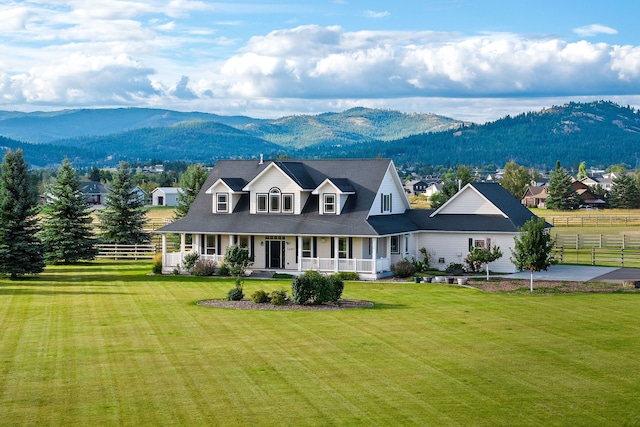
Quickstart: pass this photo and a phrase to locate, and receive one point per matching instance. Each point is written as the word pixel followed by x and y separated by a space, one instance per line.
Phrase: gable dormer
pixel 469 201
pixel 332 195
pixel 226 194
pixel 280 188
pixel 390 197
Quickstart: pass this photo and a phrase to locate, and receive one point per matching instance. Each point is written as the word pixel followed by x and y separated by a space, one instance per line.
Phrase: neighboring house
pixel 432 189
pixel 165 196
pixel 604 181
pixel 586 196
pixel 535 196
pixel 95 192
pixel 337 215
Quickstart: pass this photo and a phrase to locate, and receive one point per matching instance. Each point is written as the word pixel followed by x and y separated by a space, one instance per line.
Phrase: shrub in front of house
pixel 189 261
pixel 236 293
pixel 260 297
pixel 156 267
pixel 347 275
pixel 403 269
pixel 204 267
pixel 223 270
pixel 314 288
pixel 278 297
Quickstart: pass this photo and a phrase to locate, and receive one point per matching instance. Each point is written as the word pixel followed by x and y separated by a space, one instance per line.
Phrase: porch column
pixel 195 247
pixel 336 247
pixel 231 242
pixel 183 242
pixel 164 248
pixel 374 254
pixel 299 255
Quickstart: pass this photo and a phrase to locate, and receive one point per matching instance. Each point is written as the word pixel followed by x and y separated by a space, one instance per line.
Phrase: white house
pixel 338 215
pixel 165 196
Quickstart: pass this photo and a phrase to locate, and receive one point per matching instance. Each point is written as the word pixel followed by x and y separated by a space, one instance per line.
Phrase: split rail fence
pixel 132 252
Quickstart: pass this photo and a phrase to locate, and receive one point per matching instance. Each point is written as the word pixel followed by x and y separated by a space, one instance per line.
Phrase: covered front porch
pixel 369 257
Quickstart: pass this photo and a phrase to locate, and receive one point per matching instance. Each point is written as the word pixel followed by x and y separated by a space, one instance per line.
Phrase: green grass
pixel 108 344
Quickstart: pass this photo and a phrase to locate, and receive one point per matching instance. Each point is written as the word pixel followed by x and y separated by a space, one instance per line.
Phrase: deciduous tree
pixel 533 247
pixel 20 248
pixel 67 235
pixel 516 179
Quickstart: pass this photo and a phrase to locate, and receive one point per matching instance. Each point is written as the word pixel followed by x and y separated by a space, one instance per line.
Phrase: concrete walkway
pixel 580 273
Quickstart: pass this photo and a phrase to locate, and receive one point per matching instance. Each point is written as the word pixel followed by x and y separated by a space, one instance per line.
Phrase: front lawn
pixel 108 344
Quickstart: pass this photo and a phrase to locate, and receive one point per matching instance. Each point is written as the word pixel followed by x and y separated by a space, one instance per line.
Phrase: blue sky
pixel 475 60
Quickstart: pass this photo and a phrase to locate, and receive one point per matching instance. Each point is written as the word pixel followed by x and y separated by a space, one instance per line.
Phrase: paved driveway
pixel 581 273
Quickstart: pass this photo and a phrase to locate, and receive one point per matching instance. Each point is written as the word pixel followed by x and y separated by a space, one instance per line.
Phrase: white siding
pixel 454 247
pixel 390 185
pixel 271 178
pixel 470 202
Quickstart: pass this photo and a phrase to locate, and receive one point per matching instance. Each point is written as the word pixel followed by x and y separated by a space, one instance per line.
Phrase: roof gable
pixel 469 201
pixel 285 171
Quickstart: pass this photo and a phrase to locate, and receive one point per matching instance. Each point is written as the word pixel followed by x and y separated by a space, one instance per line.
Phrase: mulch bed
pixel 343 304
pixel 551 286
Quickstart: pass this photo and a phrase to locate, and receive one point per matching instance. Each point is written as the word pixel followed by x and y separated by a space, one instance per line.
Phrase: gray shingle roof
pixel 364 177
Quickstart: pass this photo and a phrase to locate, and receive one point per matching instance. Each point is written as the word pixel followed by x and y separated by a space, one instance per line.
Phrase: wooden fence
pixel 592 220
pixel 134 252
pixel 614 250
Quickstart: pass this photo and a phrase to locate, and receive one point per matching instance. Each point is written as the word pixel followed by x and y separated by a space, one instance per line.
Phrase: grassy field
pixel 108 344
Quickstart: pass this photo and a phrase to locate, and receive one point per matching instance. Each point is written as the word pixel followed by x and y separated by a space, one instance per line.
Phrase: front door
pixel 275 254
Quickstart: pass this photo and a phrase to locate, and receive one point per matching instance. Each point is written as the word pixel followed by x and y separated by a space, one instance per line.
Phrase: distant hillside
pixel 348 127
pixel 46 127
pixel 600 133
pixel 195 141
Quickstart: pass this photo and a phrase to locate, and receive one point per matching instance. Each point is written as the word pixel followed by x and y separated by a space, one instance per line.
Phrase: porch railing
pixel 349 264
pixel 175 259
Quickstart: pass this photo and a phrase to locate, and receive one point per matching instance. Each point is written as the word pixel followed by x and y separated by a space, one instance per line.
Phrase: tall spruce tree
pixel 123 217
pixel 562 196
pixel 190 182
pixel 67 235
pixel 20 248
pixel 624 193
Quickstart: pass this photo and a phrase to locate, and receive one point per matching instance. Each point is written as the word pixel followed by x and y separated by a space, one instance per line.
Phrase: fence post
pixel 577 241
pixel 622 257
pixel 593 255
pixel 561 254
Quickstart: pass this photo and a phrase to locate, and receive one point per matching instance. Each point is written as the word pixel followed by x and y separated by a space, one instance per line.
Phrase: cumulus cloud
pixel 182 90
pixel 80 80
pixel 318 62
pixel 594 30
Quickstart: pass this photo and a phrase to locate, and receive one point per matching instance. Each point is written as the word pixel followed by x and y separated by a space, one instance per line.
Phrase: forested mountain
pixel 46 127
pixel 348 127
pixel 600 133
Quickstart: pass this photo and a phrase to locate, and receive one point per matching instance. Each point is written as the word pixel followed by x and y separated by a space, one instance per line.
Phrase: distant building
pixel 165 196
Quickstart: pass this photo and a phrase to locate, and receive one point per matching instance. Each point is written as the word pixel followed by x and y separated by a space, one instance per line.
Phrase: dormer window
pixel 329 203
pixel 222 204
pixel 262 203
pixel 274 200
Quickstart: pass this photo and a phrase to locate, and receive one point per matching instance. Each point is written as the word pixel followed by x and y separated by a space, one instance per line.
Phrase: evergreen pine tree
pixel 624 193
pixel 123 217
pixel 66 232
pixel 562 196
pixel 20 247
pixel 190 182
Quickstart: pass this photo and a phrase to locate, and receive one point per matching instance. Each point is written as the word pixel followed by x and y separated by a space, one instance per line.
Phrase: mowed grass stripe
pixel 128 348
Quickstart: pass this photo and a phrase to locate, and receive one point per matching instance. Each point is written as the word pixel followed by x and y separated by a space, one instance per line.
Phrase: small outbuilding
pixel 165 196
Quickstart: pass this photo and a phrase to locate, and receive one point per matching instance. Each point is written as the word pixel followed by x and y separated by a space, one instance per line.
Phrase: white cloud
pixel 594 30
pixel 376 15
pixel 320 62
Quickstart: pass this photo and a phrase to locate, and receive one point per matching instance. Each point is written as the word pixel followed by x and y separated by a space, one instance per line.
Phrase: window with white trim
pixel 306 247
pixel 329 203
pixel 274 200
pixel 262 203
pixel 386 203
pixel 287 203
pixel 343 247
pixel 222 204
pixel 395 244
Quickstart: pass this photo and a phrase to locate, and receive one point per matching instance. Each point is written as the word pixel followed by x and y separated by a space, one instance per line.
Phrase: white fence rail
pixel 135 252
